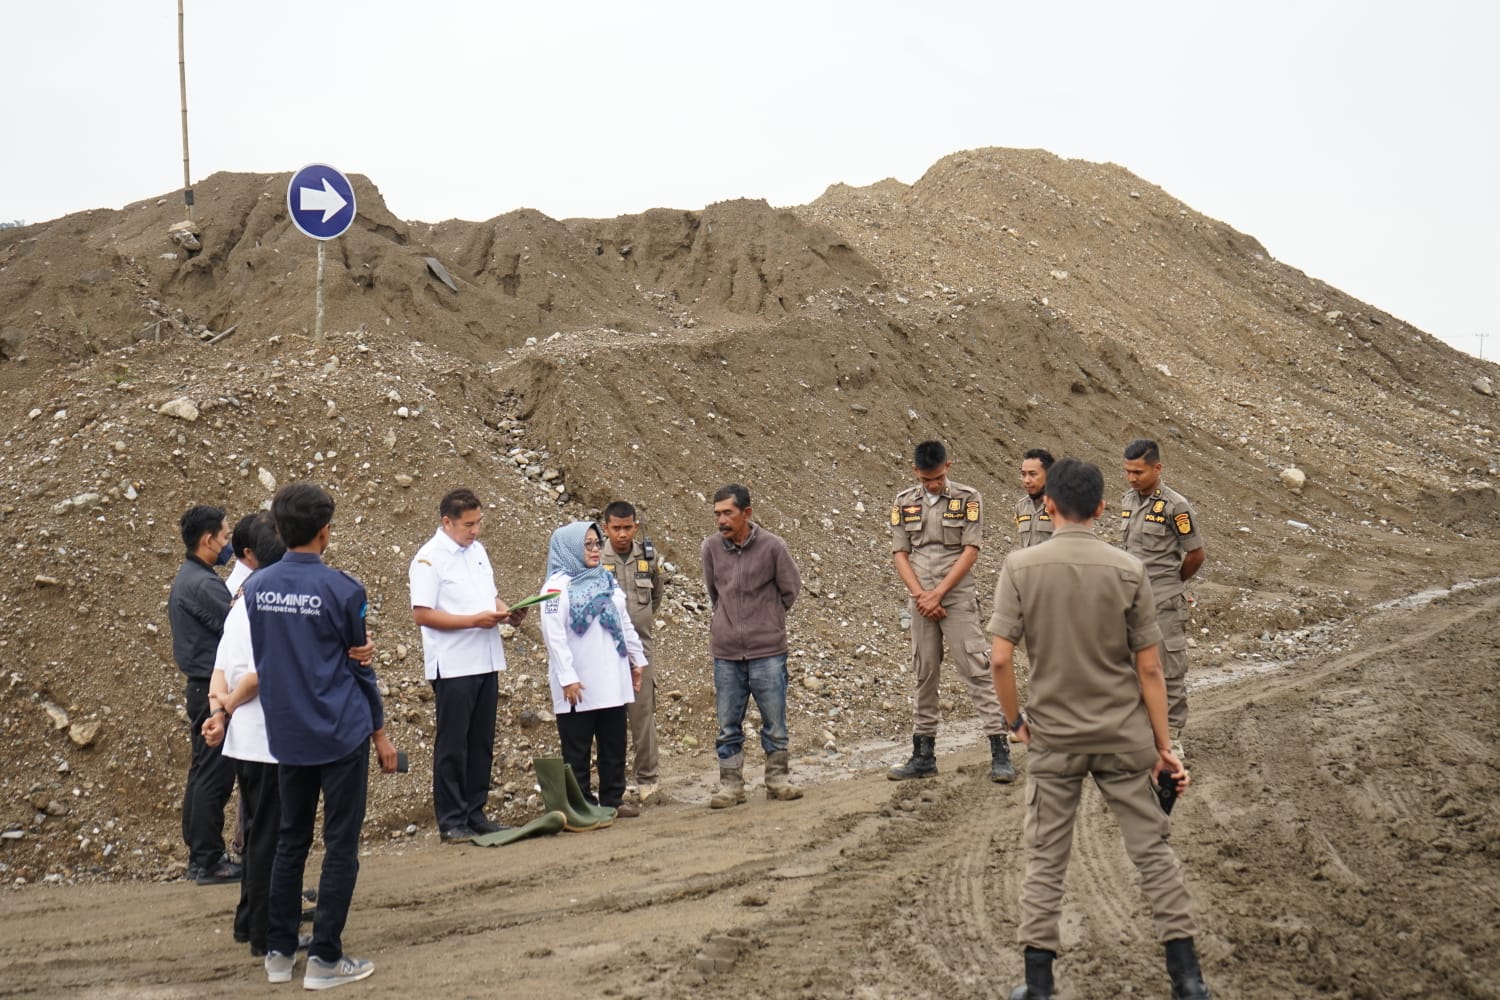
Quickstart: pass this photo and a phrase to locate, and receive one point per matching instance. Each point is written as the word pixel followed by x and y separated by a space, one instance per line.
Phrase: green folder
pixel 533 599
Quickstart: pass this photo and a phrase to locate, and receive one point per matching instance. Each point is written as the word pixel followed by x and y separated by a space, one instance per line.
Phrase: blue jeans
pixel 735 681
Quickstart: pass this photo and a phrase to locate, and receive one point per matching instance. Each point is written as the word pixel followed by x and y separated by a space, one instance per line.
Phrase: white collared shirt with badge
pixel 459 581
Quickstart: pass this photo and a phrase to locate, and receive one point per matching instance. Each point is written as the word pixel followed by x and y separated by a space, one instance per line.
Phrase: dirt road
pixel 1341 839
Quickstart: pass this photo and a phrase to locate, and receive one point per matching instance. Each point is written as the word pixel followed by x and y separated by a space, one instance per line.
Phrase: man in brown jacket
pixel 1097 708
pixel 752 584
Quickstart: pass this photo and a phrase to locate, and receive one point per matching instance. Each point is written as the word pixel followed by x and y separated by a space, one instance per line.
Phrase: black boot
pixel 1182 966
pixel 1001 769
pixel 923 763
pixel 1038 985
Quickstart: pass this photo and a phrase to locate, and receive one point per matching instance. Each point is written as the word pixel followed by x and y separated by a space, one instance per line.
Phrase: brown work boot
pixel 778 770
pixel 731 790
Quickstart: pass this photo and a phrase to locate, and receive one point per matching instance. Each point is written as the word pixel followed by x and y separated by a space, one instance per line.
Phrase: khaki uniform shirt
pixel 935 534
pixel 1159 530
pixel 1084 609
pixel 640 578
pixel 1033 523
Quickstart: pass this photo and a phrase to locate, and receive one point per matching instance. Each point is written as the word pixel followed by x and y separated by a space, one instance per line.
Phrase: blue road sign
pixel 321 201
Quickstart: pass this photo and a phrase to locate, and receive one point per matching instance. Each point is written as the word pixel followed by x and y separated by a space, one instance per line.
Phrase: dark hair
pixel 1076 487
pixel 301 510
pixel 239 539
pixel 1143 448
pixel 621 509
pixel 734 491
pixel 457 503
pixel 265 542
pixel 929 455
pixel 1041 455
pixel 199 521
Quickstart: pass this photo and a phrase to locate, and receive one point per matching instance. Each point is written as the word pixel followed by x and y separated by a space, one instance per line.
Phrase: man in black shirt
pixel 197 607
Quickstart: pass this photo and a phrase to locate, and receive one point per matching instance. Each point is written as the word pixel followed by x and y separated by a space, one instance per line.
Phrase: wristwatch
pixel 1016 723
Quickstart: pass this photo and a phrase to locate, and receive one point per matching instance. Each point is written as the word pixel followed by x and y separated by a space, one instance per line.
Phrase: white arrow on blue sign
pixel 321 201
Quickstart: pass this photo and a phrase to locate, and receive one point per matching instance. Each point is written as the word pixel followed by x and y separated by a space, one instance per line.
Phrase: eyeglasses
pixel 592 546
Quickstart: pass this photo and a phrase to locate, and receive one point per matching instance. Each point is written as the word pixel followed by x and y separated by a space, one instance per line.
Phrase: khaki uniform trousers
pixel 1172 618
pixel 640 717
pixel 1054 785
pixel 970 650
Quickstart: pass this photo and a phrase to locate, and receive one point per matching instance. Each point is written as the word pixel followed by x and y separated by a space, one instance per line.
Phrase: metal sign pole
pixel 318 328
pixel 320 201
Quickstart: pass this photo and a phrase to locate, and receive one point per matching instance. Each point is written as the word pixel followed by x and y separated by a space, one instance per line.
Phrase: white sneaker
pixel 321 975
pixel 279 967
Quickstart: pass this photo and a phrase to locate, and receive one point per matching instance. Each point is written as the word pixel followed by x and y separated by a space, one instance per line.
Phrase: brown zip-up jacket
pixel 751 587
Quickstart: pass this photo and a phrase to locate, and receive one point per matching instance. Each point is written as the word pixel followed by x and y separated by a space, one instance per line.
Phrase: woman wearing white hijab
pixel 594 660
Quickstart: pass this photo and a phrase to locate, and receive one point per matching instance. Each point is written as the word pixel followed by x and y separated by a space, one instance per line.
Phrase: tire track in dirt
pixel 1347 856
pixel 1341 839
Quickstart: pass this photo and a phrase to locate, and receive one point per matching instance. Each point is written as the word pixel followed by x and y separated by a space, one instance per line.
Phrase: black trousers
pixel 580 733
pixel 342 785
pixel 463 750
pixel 260 793
pixel 210 780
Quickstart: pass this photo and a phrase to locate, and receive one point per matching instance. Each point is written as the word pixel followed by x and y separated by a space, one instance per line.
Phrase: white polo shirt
pixel 459 581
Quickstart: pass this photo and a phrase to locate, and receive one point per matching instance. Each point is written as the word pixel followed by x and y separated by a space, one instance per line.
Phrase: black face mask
pixel 225 554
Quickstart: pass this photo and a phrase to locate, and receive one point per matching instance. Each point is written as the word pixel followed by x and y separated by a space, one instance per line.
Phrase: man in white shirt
pixel 240 540
pixel 454 600
pixel 234 691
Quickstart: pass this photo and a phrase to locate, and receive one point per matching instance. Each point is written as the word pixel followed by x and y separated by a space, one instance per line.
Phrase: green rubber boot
pixel 560 791
pixel 604 814
pixel 547 823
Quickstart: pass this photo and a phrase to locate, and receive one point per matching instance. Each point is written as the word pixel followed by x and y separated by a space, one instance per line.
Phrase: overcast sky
pixel 1357 140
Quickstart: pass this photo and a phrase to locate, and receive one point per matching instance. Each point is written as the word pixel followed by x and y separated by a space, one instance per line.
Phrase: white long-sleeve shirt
pixel 245 739
pixel 589 659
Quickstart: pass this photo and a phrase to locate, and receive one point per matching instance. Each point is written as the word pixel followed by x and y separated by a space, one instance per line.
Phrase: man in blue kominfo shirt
pixel 322 710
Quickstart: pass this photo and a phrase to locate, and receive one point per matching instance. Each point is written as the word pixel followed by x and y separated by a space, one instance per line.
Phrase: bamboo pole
pixel 187 183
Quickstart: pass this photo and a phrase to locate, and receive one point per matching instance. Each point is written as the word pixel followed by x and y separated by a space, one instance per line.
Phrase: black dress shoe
pixel 485 825
pixel 457 835
pixel 222 873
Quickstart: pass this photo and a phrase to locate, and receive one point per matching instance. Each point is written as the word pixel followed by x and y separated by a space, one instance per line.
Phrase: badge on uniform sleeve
pixel 895 515
pixel 971 510
pixel 911 513
pixel 1184 523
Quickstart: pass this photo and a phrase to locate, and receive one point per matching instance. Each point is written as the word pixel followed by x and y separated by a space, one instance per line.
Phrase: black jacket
pixel 196 609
